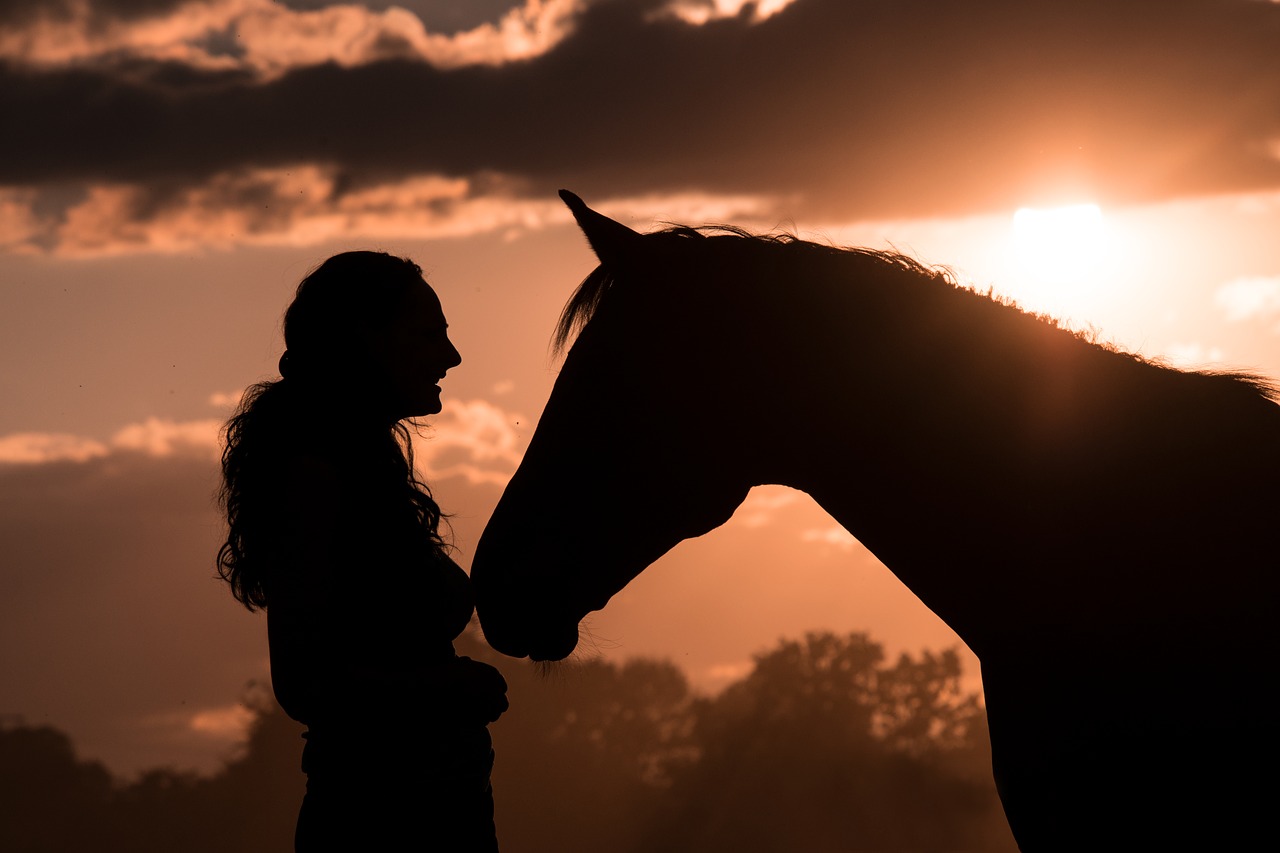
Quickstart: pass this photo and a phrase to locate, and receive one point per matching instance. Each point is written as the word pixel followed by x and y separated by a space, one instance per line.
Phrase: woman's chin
pixel 422 408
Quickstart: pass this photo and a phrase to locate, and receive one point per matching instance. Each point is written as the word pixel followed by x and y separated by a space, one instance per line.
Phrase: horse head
pixel 627 459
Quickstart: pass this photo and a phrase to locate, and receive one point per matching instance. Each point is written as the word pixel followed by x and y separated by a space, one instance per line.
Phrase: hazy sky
pixel 169 170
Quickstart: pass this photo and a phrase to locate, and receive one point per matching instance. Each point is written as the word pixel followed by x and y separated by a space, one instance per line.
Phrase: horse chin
pixel 545 644
pixel 537 630
pixel 554 647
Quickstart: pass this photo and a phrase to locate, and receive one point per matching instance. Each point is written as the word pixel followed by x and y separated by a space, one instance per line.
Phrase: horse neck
pixel 895 374
pixel 938 422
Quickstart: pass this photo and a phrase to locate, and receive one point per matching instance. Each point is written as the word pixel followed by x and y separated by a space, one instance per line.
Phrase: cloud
pixel 304 206
pixel 267 38
pixel 475 440
pixel 155 437
pixel 160 437
pixel 36 448
pixel 472 439
pixel 834 536
pixel 226 722
pixel 1194 355
pixel 762 505
pixel 1250 298
pixel 831 108
pixel 699 12
pixel 720 675
pixel 287 206
pixel 225 399
pixel 20 225
pixel 218 730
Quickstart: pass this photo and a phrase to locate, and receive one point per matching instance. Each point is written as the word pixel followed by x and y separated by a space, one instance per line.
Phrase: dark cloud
pixel 849 108
pixel 21 11
pixel 440 16
pixel 132 9
pixel 443 16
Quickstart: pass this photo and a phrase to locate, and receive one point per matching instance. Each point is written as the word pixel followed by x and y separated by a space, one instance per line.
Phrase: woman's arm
pixel 316 666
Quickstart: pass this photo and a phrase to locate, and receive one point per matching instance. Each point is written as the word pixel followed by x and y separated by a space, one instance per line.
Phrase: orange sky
pixel 174 169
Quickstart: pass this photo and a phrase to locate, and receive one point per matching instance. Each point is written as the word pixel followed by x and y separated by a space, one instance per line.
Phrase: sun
pixel 1059 245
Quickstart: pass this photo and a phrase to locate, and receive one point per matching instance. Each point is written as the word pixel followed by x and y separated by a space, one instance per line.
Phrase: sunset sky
pixel 169 170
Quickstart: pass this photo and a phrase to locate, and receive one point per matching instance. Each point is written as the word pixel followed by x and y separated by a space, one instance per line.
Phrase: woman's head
pixel 366 342
pixel 366 328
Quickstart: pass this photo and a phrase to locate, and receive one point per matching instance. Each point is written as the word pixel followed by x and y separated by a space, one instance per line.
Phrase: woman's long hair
pixel 328 329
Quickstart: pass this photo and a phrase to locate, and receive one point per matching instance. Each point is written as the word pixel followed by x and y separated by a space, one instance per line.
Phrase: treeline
pixel 824 746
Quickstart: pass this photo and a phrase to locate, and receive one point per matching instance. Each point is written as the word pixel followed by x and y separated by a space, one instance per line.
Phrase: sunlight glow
pixel 1070 262
pixel 1059 245
pixel 1252 297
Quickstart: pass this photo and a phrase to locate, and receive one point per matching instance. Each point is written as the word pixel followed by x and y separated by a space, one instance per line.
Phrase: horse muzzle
pixel 520 612
pixel 523 630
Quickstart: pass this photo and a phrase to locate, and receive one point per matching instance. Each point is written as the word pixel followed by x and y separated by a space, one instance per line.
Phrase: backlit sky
pixel 169 170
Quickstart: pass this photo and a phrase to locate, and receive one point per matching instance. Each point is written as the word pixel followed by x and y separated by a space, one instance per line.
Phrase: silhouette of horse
pixel 1099 529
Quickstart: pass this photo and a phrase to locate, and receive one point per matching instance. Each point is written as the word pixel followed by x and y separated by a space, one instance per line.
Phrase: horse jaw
pixel 532 607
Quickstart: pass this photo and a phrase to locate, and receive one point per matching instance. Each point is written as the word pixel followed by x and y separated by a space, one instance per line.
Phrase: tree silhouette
pixel 823 746
pixel 49 800
pixel 585 753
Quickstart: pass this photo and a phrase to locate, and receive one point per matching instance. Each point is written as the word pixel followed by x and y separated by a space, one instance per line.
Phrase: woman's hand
pixel 475 689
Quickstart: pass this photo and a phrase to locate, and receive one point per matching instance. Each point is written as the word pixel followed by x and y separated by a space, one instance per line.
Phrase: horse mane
pixel 585 301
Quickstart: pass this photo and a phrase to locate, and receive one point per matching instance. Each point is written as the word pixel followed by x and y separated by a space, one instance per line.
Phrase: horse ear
pixel 612 241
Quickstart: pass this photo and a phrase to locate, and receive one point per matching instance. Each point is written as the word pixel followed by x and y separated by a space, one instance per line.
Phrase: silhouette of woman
pixel 335 536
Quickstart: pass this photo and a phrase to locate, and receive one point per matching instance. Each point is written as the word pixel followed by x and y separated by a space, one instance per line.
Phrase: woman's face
pixel 414 354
